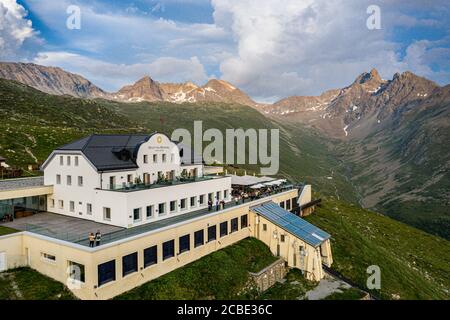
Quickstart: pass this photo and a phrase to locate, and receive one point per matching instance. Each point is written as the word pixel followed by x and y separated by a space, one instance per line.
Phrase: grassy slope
pixel 303 156
pixel 27 284
pixel 414 264
pixel 41 122
pixel 220 275
pixel 33 123
pixel 404 170
pixel 6 230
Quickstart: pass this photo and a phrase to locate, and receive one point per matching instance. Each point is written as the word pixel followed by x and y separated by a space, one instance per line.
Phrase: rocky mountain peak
pixel 369 77
pixel 146 80
pixel 220 84
pixel 145 89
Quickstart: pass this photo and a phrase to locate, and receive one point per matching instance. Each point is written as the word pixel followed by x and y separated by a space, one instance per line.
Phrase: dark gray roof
pixel 2 159
pixel 109 152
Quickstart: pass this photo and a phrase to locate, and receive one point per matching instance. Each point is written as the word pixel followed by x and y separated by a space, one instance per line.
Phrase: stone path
pixel 326 287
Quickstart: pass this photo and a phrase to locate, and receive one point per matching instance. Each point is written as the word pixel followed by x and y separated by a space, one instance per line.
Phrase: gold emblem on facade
pixel 159 139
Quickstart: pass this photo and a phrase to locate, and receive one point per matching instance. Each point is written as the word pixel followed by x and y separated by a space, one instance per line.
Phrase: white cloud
pixel 122 36
pixel 306 47
pixel 15 29
pixel 268 48
pixel 110 76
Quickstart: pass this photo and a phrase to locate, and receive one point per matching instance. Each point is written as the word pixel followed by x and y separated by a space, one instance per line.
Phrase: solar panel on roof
pixel 292 223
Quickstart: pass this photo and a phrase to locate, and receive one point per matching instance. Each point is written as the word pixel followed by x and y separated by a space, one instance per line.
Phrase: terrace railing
pixel 129 232
pixel 66 236
pixel 129 187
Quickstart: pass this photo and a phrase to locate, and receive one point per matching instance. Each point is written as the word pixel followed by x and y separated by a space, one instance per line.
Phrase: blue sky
pixel 270 49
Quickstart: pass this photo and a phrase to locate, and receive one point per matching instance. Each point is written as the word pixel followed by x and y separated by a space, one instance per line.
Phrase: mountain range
pixel 365 106
pixel 59 82
pixel 387 140
pixel 391 136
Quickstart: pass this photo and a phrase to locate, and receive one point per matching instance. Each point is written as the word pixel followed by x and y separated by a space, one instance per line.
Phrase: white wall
pixel 305 195
pixel 158 145
pixel 122 204
pixel 120 178
pixel 81 195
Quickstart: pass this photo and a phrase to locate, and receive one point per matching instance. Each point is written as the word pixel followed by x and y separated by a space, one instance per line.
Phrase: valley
pixel 392 138
pixel 33 123
pixel 379 143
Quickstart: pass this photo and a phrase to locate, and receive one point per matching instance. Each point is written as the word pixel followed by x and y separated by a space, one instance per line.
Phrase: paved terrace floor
pixel 59 226
pixel 158 224
pixel 76 230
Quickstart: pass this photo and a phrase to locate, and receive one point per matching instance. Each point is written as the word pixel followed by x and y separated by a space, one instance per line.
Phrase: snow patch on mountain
pixel 345 130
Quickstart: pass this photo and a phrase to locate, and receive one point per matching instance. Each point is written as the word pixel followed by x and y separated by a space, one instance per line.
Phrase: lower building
pixel 152 210
pixel 130 257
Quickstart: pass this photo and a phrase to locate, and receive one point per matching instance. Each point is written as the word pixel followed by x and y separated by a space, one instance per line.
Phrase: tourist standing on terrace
pixel 210 205
pixel 91 238
pixel 98 237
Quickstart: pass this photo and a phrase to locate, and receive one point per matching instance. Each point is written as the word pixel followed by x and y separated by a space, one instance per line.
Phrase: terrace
pixel 76 230
pixel 131 187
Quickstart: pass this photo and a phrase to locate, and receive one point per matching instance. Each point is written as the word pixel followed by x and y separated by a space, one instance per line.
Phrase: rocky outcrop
pixel 144 89
pixel 50 80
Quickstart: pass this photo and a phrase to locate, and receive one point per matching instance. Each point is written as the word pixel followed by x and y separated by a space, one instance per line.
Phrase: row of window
pixel 71 206
pixel 68 160
pixel 174 206
pixel 107 270
pixel 289 204
pixel 182 204
pixel 69 180
pixel 155 158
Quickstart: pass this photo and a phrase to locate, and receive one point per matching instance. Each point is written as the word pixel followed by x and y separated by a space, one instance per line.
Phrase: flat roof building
pixel 157 211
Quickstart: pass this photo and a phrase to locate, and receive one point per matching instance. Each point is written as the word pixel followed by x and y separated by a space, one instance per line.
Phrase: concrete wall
pixel 305 196
pixel 81 195
pixel 12 246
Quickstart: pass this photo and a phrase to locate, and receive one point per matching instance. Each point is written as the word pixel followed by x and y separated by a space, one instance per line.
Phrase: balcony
pixel 131 187
pixel 75 230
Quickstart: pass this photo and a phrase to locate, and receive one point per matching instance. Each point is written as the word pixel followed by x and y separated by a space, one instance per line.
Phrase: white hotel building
pixel 148 196
pixel 129 180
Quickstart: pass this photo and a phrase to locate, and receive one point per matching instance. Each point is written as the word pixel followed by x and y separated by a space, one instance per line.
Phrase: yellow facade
pixel 27 248
pixel 26 192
